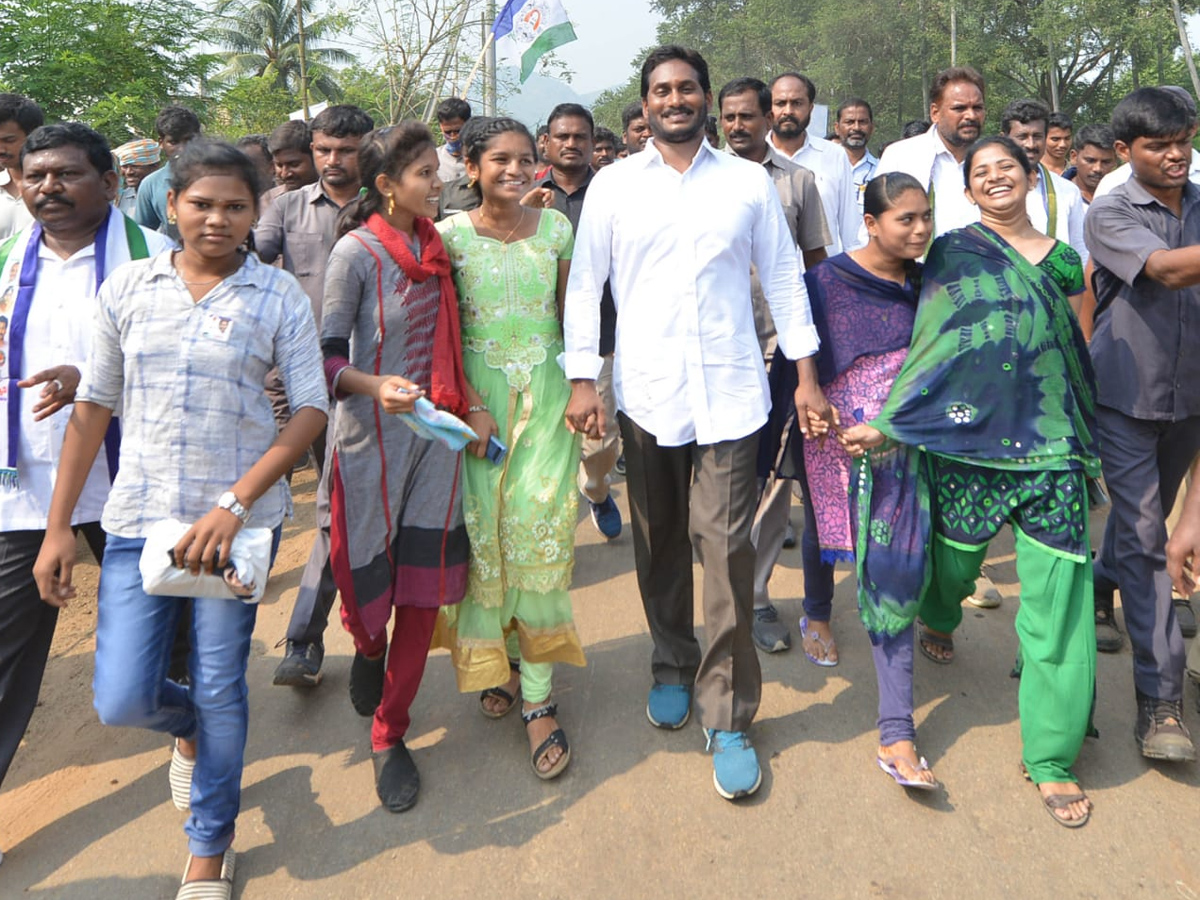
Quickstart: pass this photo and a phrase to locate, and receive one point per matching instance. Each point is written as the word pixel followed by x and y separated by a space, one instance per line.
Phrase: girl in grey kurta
pixel 398 541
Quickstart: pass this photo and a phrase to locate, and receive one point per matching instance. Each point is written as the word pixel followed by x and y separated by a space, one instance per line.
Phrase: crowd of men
pixel 819 181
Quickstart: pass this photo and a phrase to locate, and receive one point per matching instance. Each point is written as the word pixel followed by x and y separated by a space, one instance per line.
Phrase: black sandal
pixel 502 694
pixel 926 639
pixel 558 738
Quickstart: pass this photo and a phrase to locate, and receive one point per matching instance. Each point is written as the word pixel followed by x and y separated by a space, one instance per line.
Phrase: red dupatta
pixel 448 380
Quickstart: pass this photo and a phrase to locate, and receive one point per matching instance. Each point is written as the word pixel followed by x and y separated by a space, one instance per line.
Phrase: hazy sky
pixel 610 32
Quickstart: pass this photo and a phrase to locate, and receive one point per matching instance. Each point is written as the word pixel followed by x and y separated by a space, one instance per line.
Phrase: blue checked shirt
pixel 187 378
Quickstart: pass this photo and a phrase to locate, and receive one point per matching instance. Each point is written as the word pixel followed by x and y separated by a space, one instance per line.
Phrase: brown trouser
pixel 702 495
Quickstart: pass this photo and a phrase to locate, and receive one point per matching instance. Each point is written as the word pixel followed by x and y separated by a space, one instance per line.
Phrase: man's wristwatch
pixel 229 501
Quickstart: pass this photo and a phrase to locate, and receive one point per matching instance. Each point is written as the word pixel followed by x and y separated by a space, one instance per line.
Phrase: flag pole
pixel 489 72
pixel 462 92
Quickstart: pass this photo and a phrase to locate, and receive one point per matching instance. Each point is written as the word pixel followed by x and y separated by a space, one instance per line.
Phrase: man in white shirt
pixel 49 275
pixel 19 116
pixel 792 99
pixel 675 230
pixel 854 124
pixel 956 108
pixel 1055 206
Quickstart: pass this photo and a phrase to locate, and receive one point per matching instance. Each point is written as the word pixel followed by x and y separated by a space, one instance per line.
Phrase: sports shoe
pixel 770 635
pixel 669 705
pixel 606 517
pixel 1185 616
pixel 1160 731
pixel 619 465
pixel 397 780
pixel 301 665
pixel 366 683
pixel 735 764
pixel 789 536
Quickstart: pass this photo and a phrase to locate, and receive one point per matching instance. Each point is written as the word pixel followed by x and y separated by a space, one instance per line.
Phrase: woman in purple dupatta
pixel 864 305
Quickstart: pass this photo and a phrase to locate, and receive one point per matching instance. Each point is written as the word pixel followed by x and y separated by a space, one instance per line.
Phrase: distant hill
pixel 536 97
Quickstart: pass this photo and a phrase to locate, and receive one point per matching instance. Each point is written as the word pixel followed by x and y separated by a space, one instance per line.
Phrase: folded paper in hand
pixel 244 578
pixel 435 424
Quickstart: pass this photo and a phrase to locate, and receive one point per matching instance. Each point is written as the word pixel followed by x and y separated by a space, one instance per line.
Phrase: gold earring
pixel 391 204
pixel 471 183
pixel 171 219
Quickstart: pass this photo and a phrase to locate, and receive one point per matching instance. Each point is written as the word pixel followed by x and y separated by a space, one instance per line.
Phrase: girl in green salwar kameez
pixel 997 391
pixel 510 267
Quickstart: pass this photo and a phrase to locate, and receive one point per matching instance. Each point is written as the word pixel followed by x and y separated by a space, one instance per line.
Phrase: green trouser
pixel 1057 634
pixel 535 677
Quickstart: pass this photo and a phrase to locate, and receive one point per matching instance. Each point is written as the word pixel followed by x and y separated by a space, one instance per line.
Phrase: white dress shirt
pixel 927 158
pixel 1123 173
pixel 860 173
pixel 14 214
pixel 58 332
pixel 835 183
pixel 1069 219
pixel 677 248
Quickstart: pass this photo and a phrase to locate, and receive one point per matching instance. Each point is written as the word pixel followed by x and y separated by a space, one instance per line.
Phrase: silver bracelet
pixel 475 409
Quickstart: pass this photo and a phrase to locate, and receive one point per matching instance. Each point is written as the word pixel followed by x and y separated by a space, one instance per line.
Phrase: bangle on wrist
pixel 476 408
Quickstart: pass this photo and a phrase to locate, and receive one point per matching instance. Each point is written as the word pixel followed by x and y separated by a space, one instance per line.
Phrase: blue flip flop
pixel 825 645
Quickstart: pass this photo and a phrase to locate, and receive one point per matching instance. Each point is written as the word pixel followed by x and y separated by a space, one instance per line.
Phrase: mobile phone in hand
pixel 496 451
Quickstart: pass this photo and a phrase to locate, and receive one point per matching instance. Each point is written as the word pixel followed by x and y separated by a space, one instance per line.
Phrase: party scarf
pixel 24 277
pixel 448 381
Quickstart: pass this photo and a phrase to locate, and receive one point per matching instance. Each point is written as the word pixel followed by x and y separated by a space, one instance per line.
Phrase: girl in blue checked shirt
pixel 182 344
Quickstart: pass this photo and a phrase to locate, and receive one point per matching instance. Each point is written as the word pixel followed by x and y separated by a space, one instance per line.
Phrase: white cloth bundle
pixel 244 578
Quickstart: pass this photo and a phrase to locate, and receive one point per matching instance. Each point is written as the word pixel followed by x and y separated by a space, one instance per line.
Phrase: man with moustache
pixel 604 148
pixel 1092 157
pixel 137 159
pixel 51 270
pixel 291 157
pixel 300 228
pixel 636 131
pixel 569 149
pixel 935 158
pixel 19 117
pixel 792 99
pixel 745 112
pixel 854 124
pixel 675 230
pixel 1059 129
pixel 1055 205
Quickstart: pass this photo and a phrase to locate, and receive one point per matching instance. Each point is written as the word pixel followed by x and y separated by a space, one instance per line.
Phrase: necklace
pixel 494 230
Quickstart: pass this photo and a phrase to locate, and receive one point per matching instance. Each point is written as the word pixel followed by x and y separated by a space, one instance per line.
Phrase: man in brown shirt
pixel 745 110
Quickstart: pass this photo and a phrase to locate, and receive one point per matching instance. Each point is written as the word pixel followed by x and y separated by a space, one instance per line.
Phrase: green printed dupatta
pixel 997 375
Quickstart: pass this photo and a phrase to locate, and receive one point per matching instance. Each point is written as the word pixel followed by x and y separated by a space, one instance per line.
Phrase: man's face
pixel 336 158
pixel 855 127
pixel 1159 162
pixel 293 168
pixel 791 109
pixel 676 106
pixel 134 174
pixel 603 154
pixel 64 191
pixel 12 139
pixel 1058 143
pixel 744 123
pixel 173 146
pixel 1092 163
pixel 451 129
pixel 636 135
pixel 1030 137
pixel 569 144
pixel 959 114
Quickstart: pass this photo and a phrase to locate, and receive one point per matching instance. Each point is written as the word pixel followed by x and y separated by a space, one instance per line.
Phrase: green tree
pixel 109 63
pixel 262 38
pixel 252 105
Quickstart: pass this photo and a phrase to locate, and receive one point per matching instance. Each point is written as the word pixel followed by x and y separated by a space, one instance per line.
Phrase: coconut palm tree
pixel 262 38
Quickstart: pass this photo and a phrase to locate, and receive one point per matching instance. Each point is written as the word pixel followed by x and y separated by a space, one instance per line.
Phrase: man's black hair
pixel 71 134
pixel 669 52
pixel 851 104
pixel 17 108
pixel 293 135
pixel 1152 112
pixel 572 110
pixel 809 87
pixel 1060 120
pixel 1097 135
pixel 178 123
pixel 631 112
pixel 1023 112
pixel 342 121
pixel 746 85
pixel 453 108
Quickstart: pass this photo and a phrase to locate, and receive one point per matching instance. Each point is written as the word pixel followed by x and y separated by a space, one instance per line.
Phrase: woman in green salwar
pixel 510 267
pixel 997 391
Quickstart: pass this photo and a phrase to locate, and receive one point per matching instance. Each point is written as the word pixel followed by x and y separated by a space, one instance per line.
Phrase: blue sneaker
pixel 606 517
pixel 669 705
pixel 735 764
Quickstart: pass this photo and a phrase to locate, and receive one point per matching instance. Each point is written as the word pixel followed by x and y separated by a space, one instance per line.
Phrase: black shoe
pixel 789 536
pixel 1108 636
pixel 397 780
pixel 366 683
pixel 1160 731
pixel 1185 616
pixel 301 665
pixel 619 465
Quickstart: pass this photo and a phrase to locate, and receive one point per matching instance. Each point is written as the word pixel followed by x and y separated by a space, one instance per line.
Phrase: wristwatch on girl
pixel 229 501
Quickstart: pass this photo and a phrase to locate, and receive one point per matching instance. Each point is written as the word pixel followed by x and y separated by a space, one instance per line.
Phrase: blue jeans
pixel 134 632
